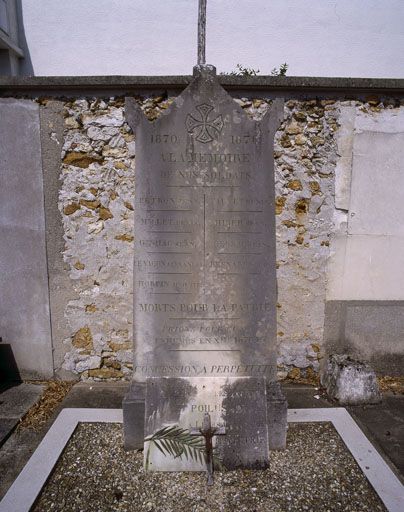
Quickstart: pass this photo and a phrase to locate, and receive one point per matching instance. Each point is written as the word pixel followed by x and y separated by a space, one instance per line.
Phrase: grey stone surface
pixel 370 330
pixel 349 381
pixel 277 408
pixel 245 415
pixel 302 249
pixel 6 428
pixel 302 396
pixel 204 273
pixel 24 298
pixel 204 276
pixel 343 169
pixel 237 403
pixel 15 401
pixel 102 395
pixel 277 416
pixel 133 406
pixel 60 285
pixel 14 454
pixel 383 424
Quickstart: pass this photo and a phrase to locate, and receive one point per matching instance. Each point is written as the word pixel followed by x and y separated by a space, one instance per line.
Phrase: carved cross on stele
pixel 207 431
pixel 206 129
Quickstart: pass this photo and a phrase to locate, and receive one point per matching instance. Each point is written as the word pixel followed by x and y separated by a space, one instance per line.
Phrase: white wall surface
pixel 24 292
pixel 367 256
pixel 358 38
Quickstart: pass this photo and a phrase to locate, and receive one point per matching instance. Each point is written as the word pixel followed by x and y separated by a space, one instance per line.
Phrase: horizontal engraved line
pixel 239 273
pixel 169 210
pixel 168 252
pixel 204 186
pixel 240 211
pixel 185 232
pixel 246 253
pixel 199 318
pixel 172 273
pixel 171 293
pixel 240 232
pixel 201 350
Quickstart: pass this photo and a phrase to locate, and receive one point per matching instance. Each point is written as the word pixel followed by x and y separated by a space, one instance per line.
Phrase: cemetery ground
pixel 201 223
pixel 315 472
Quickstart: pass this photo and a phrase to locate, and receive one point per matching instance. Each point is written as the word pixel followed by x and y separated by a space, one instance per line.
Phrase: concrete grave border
pixel 27 486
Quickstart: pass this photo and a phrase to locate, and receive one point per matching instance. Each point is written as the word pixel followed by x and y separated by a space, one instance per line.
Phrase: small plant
pixel 281 71
pixel 242 71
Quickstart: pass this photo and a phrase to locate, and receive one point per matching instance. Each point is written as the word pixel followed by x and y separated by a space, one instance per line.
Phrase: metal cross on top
pixel 202 33
pixel 207 431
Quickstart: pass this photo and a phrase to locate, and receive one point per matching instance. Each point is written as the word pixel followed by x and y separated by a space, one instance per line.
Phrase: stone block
pixel 349 381
pixel 24 298
pixel 277 416
pixel 237 403
pixel 133 406
pixel 343 168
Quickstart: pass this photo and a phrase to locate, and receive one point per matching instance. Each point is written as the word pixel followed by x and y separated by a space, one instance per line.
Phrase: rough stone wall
pixel 96 203
pixel 305 156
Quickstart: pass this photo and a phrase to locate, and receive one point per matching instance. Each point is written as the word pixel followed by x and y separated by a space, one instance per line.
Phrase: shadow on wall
pixel 25 67
pixel 9 372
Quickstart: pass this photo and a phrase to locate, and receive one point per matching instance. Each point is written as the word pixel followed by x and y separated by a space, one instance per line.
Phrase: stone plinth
pixel 237 403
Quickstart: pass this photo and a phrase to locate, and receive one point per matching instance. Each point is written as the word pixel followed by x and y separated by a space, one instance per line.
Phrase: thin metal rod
pixel 202 33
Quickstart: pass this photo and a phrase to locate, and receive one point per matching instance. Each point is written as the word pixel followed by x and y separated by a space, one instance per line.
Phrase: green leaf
pixel 156 443
pixel 167 447
pixel 179 442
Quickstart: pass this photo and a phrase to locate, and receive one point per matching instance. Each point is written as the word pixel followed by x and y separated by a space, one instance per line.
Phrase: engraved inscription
pixel 204 268
pixel 201 371
pixel 231 401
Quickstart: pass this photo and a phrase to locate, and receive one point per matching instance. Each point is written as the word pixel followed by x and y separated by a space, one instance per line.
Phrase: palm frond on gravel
pixel 177 442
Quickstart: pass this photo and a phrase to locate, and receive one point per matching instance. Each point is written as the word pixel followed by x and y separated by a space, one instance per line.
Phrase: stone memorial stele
pixel 205 279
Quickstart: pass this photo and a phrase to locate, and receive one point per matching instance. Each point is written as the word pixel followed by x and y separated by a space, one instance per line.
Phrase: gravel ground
pixel 315 473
